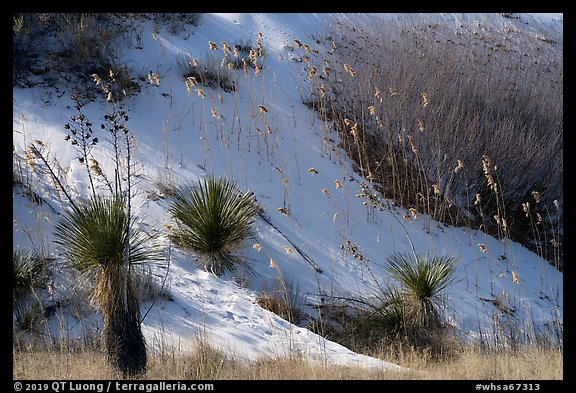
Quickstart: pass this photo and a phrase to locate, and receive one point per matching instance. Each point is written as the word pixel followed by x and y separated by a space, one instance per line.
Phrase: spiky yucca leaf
pixel 99 233
pixel 28 270
pixel 213 217
pixel 421 279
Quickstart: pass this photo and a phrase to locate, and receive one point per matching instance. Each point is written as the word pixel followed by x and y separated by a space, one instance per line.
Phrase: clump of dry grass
pixel 428 114
pixel 207 71
pixel 85 361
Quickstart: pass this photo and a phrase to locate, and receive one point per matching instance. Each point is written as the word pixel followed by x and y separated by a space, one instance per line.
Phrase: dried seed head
pixel 483 248
pixel 372 110
pixel 273 263
pixel 201 92
pixel 257 246
pixel 515 278
pixel 486 164
pixel 263 109
pixel 477 200
pixel 554 243
pixel 282 210
pixel 288 250
pixel 412 144
pixel 97 79
pixel 312 170
pixel 536 196
pixel 459 166
pixel 378 93
pixel 413 212
pixel 326 193
pixel 213 45
pixel 436 188
pixel 420 125
pixel 425 100
pixel 354 131
pixel 526 208
pixel 350 70
pixel 154 78
pixel 338 184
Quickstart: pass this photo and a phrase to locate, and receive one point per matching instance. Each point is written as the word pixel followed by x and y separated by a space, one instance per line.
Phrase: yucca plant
pixel 213 217
pixel 413 309
pixel 28 270
pixel 100 238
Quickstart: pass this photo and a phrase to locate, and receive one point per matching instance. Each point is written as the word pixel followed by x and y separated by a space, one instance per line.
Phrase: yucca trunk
pixel 125 344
